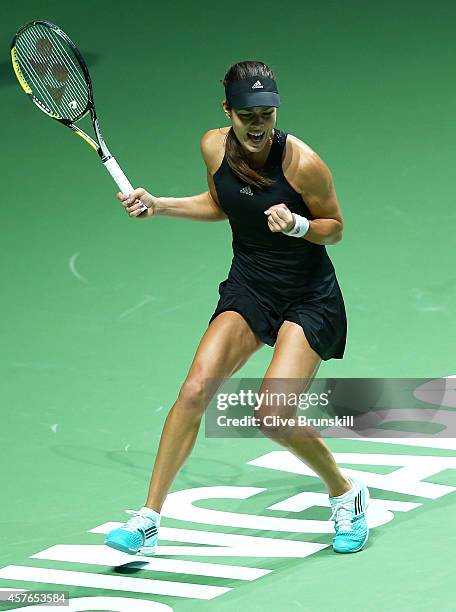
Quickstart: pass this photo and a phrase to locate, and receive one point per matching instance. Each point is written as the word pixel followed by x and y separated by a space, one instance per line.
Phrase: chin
pixel 253 148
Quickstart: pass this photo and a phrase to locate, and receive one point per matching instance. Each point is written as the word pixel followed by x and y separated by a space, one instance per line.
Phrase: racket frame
pixel 100 147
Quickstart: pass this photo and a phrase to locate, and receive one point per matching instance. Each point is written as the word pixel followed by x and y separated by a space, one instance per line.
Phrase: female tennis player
pixel 281 290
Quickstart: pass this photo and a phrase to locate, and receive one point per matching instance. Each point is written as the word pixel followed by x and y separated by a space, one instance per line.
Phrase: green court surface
pixel 101 314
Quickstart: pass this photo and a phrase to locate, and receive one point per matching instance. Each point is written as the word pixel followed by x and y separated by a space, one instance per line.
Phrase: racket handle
pixel 119 177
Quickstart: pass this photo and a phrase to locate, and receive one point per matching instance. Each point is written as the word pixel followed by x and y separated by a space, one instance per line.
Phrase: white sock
pixel 151 514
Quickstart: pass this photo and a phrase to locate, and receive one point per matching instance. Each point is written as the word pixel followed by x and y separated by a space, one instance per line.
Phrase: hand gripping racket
pixel 52 71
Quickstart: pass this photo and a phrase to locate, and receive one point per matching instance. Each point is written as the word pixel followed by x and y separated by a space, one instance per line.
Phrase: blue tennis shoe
pixel 139 535
pixel 348 514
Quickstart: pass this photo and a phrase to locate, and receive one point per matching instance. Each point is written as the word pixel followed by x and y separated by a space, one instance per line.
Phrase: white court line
pixel 102 555
pixel 73 270
pixel 181 305
pixel 147 299
pixel 113 583
pixel 433 309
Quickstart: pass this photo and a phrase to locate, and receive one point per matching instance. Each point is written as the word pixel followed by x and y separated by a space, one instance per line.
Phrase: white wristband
pixel 300 227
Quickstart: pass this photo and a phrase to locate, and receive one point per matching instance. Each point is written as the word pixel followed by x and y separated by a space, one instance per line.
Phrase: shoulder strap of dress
pixel 278 146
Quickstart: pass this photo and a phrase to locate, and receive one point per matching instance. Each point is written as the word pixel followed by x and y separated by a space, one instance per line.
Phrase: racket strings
pixel 39 46
pixel 79 86
pixel 44 86
pixel 25 59
pixel 64 71
pixel 52 72
pixel 61 72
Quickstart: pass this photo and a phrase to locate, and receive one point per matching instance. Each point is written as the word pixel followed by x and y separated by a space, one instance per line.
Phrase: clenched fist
pixel 280 218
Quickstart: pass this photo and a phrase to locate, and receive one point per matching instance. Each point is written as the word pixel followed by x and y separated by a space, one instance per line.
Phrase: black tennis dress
pixel 273 277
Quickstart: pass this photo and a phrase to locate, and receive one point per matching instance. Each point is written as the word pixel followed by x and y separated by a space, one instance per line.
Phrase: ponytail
pixel 236 160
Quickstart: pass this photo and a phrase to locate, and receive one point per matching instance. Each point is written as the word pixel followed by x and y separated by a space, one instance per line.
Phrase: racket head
pixel 52 71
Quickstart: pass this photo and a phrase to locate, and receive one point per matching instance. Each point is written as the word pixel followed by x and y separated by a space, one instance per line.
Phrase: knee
pixel 192 393
pixel 272 426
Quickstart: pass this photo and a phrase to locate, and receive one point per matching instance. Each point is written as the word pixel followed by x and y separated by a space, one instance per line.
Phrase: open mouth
pixel 256 137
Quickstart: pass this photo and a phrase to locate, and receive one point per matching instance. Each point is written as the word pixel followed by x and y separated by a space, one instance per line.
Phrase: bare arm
pixel 201 207
pixel 319 194
pixel 317 191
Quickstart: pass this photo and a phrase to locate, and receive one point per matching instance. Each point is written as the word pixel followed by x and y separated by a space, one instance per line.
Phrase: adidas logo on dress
pixel 257 85
pixel 246 190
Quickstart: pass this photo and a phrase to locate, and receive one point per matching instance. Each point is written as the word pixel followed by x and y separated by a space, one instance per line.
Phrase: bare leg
pixel 295 359
pixel 224 348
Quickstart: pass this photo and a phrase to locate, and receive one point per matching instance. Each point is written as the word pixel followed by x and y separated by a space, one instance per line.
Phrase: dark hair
pixel 234 151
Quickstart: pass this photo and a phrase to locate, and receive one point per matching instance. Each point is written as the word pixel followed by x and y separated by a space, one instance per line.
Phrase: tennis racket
pixel 52 71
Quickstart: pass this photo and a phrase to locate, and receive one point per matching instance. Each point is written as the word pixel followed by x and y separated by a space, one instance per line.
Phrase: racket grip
pixel 119 177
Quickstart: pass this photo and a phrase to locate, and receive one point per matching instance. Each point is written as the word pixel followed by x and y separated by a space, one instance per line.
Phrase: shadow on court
pixel 138 464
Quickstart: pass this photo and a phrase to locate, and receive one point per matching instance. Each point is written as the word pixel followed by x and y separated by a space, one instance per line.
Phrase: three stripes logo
pixel 358 504
pixel 246 190
pixel 257 85
pixel 149 533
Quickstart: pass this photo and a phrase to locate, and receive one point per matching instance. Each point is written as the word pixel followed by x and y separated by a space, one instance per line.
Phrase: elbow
pixel 332 238
pixel 336 237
